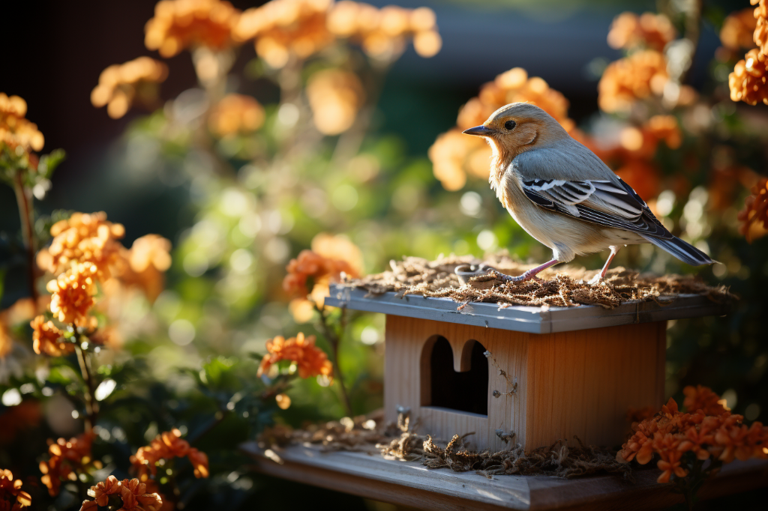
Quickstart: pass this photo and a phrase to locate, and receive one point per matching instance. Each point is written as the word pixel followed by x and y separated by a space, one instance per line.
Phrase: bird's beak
pixel 480 131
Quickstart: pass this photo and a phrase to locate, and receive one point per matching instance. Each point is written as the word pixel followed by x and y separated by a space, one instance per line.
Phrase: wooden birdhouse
pixel 543 374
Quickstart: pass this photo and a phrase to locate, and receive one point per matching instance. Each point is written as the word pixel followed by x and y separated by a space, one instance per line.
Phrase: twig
pixel 334 340
pixel 91 407
pixel 23 198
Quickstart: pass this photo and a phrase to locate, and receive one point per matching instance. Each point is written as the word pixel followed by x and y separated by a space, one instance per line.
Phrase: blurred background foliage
pixel 244 158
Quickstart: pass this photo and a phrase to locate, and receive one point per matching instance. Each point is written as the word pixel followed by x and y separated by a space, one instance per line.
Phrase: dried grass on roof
pixel 562 286
pixel 402 441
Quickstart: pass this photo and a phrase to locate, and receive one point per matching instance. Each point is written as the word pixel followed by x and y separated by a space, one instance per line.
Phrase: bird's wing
pixel 599 201
pixel 573 181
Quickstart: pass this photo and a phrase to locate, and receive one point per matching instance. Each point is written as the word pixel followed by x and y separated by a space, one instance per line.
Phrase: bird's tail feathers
pixel 682 250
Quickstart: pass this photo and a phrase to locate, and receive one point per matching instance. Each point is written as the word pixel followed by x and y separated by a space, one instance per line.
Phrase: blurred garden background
pixel 338 131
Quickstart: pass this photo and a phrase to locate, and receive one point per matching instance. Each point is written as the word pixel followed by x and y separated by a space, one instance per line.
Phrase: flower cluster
pixel 15 129
pixel 234 114
pixel 167 446
pixel 454 155
pixel 749 80
pixel 310 264
pixel 383 33
pixel 142 267
pixel 120 85
pixel 134 494
pixel 12 498
pixel 67 459
pixel 637 76
pixel 82 238
pixel 335 97
pixel 310 360
pixel 738 29
pixel 649 30
pixel 706 430
pixel 181 24
pixel 754 216
pixel 284 29
pixel 48 339
pixel 72 294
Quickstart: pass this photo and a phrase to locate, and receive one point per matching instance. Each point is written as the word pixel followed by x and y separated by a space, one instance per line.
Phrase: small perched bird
pixel 564 196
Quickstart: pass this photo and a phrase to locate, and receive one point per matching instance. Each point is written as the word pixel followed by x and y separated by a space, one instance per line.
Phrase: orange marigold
pixel 120 85
pixel 649 30
pixel 182 24
pixel 15 130
pixel 72 294
pixel 632 78
pixel 700 398
pixel 311 360
pixel 167 446
pixel 737 29
pixel 310 264
pixel 82 238
pixel 11 496
pixel 134 494
pixel 749 80
pixel 754 216
pixel 48 338
pixel 67 458
pixel 142 267
pixel 236 113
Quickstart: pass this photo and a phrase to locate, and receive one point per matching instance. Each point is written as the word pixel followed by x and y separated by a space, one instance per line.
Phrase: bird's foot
pixel 520 278
pixel 597 279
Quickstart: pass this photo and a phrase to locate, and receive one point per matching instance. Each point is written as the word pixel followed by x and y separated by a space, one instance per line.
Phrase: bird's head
pixel 516 128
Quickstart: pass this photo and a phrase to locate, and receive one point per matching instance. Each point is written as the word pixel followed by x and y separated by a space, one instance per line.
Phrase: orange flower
pixel 82 238
pixel 120 85
pixel 649 30
pixel 737 29
pixel 15 130
pixel 142 267
pixel 760 36
pixel 754 216
pixel 667 448
pixel 454 155
pixel 73 294
pixel 749 80
pixel 132 492
pixel 285 29
pixel 67 458
pixel 182 24
pixel 335 97
pixel 638 76
pixel 11 496
pixel 311 360
pixel 167 446
pixel 234 114
pixel 48 338
pixel 700 398
pixel 310 264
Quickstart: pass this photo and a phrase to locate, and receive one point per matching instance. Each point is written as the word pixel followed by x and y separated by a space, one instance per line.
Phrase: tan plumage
pixel 563 195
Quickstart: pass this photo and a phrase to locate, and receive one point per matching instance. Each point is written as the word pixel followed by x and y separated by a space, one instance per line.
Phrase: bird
pixel 563 195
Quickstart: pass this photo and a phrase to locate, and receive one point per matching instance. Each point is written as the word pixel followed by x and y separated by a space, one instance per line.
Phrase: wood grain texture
pixel 583 382
pixel 578 383
pixel 409 483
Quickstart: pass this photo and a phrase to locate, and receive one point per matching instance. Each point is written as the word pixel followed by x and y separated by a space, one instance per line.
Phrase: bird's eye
pixel 510 125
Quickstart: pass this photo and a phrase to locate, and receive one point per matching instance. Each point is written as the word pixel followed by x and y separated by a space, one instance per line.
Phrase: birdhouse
pixel 542 374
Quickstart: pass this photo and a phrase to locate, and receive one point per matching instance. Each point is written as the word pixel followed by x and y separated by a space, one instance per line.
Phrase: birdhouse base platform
pixel 373 476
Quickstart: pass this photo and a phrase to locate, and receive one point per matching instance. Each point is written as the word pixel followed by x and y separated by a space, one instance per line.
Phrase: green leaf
pixel 49 162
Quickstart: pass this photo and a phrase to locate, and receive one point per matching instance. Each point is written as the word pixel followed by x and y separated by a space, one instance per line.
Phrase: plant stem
pixel 334 340
pixel 91 407
pixel 24 200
